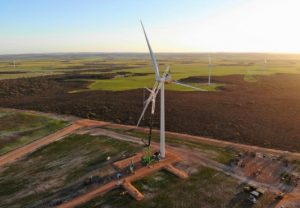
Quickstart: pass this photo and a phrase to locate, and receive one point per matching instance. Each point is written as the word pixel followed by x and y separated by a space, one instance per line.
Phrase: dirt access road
pixel 31 147
pixel 80 123
pixel 289 198
pixel 189 156
pixel 220 143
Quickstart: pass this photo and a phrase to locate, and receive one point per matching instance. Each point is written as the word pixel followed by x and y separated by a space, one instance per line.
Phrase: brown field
pixel 264 113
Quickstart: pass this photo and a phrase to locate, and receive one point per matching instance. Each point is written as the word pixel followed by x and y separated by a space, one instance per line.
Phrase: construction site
pixel 264 177
pixel 131 155
pixel 184 130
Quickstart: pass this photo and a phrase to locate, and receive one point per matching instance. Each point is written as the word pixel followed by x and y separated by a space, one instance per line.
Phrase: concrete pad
pixel 132 191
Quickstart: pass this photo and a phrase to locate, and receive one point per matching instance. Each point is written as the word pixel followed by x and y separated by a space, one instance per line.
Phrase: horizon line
pixel 130 52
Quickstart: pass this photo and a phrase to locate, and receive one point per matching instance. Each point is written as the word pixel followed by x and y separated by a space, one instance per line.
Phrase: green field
pixel 46 172
pixel 182 66
pixel 18 128
pixel 180 71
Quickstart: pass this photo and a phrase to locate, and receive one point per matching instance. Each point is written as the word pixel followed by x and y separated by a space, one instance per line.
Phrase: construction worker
pixel 119 182
pixel 157 156
pixel 131 167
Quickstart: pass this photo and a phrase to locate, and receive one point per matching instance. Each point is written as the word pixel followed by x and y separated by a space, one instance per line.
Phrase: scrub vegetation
pixel 18 129
pixel 55 170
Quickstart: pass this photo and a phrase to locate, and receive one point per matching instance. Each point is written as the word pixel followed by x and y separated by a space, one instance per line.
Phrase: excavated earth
pixel 264 113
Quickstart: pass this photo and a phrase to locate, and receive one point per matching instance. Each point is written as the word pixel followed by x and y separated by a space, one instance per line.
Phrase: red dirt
pixel 269 170
pixel 289 198
pixel 132 191
pixel 124 163
pixel 264 113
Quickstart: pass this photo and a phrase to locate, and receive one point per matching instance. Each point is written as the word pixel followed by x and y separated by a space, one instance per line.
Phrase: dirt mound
pixel 264 113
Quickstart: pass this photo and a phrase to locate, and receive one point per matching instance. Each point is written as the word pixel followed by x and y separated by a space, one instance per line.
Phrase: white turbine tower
pixel 159 86
pixel 209 70
pixel 265 64
pixel 266 61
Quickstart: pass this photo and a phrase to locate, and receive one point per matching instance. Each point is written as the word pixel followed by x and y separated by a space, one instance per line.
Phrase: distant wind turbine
pixel 266 61
pixel 265 65
pixel 209 70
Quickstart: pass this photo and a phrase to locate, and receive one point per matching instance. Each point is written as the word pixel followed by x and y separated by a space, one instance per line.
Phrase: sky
pixel 46 26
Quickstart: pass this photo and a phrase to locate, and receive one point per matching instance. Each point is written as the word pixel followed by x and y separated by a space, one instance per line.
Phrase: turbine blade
pixel 189 86
pixel 145 108
pixel 148 89
pixel 153 92
pixel 153 106
pixel 154 63
pixel 155 86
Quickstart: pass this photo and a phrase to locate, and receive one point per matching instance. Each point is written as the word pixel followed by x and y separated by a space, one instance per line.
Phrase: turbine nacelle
pixel 168 79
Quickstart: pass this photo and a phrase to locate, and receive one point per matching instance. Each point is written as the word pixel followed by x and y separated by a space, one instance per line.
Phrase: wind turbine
pixel 266 60
pixel 209 70
pixel 265 64
pixel 159 85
